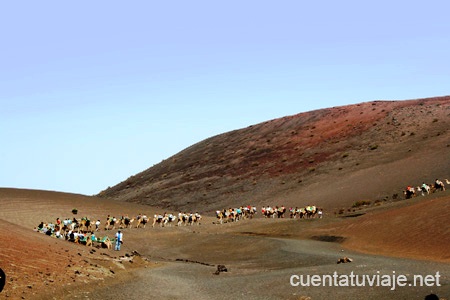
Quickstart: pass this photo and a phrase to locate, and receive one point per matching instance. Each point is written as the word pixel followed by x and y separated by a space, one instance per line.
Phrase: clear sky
pixel 92 92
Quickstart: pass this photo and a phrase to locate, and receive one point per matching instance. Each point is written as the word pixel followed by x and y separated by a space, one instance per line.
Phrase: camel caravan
pixel 248 212
pixel 235 214
pixel 125 222
pixel 307 212
pixel 273 212
pixel 77 231
pixel 83 231
pixel 183 219
pixel 425 189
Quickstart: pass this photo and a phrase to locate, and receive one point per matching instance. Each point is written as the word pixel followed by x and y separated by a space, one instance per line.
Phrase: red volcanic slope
pixel 331 157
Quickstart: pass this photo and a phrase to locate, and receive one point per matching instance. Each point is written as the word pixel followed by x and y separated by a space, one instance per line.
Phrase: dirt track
pixel 267 276
pixel 260 254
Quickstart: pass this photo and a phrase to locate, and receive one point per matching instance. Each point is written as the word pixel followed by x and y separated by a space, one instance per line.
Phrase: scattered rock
pixel 220 269
pixel 344 260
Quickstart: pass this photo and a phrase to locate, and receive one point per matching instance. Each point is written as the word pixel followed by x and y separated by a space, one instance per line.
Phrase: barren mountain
pixel 330 157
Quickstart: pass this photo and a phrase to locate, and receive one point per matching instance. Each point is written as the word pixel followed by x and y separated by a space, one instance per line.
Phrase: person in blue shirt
pixel 119 240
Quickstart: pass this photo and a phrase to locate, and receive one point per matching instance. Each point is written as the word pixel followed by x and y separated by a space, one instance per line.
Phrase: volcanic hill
pixel 329 157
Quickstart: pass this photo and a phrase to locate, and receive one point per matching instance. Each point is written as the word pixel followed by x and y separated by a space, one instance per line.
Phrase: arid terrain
pixel 334 158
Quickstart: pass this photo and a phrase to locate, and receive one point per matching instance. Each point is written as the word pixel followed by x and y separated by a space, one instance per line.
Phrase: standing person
pixel 119 240
pixel 97 225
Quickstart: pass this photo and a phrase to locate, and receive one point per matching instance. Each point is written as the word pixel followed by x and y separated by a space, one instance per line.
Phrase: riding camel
pixel 409 192
pixel 219 216
pixel 439 185
pixel 181 219
pixel 158 219
pixel 311 211
pixel 143 220
pixel 168 219
pixel 194 219
pixel 300 212
pixel 111 222
pixel 268 212
pixel 85 224
pixel 232 215
pixel 126 223
pixel 249 211
pixel 424 188
pixel 281 211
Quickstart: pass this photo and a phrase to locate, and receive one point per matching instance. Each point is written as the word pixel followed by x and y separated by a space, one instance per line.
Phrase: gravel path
pixel 269 278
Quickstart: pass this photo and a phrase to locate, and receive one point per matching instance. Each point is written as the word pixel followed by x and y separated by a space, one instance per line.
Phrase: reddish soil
pixel 38 266
pixel 334 157
pixel 330 158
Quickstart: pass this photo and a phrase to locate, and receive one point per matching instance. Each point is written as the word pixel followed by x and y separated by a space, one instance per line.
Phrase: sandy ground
pixel 260 255
pixel 268 276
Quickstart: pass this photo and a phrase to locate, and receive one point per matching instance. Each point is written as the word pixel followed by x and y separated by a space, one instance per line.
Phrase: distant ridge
pixel 330 157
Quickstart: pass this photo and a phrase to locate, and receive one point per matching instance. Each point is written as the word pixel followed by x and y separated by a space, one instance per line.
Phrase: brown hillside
pixel 331 157
pixel 258 252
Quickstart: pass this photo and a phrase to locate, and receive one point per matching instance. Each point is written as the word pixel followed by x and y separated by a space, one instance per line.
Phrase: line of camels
pixel 163 220
pixel 307 212
pixel 235 214
pixel 248 212
pixel 425 189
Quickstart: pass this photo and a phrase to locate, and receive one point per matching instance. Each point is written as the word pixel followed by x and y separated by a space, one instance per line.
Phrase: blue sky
pixel 92 92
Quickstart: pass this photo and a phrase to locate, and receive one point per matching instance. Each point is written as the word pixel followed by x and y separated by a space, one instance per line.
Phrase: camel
pixel 105 242
pixel 311 211
pixel 301 212
pixel 168 219
pixel 409 192
pixel 239 213
pixel 126 222
pixel 280 211
pixel 73 224
pixel 111 222
pixel 194 219
pixel 158 219
pixel 232 215
pixel 293 213
pixel 181 219
pixel 424 188
pixel 90 240
pixel 439 185
pixel 143 220
pixel 220 215
pixel 85 224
